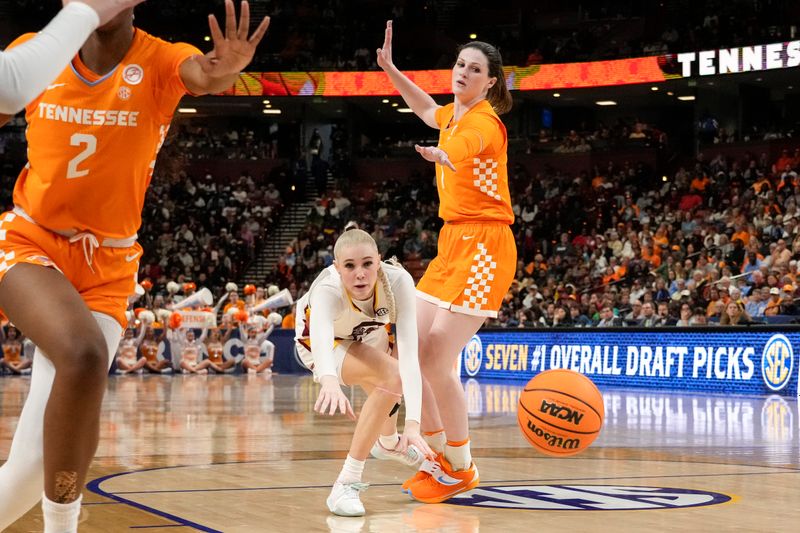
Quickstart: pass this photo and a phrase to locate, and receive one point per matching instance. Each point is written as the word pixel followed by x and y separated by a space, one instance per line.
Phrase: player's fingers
pixel 350 413
pixel 216 31
pixel 318 403
pixel 230 20
pixel 426 450
pixel 244 21
pixel 260 31
pixel 205 63
pixel 449 165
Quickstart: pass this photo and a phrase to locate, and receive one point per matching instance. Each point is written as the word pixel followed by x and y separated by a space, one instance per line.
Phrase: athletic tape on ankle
pixel 457 443
pixel 432 433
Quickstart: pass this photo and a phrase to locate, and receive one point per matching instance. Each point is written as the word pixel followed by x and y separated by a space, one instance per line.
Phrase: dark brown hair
pixel 498 94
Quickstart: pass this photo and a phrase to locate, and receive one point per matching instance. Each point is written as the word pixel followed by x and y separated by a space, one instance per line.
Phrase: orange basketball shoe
pixel 443 482
pixel 425 470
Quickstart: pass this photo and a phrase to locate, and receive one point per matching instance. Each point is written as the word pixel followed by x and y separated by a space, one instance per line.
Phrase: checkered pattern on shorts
pixel 478 287
pixel 486 178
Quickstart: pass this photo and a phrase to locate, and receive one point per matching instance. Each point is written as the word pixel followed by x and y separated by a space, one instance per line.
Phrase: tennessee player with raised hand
pixel 68 251
pixel 476 259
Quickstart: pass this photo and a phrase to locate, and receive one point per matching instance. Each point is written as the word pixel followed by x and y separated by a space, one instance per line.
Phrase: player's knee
pixel 390 381
pixel 84 360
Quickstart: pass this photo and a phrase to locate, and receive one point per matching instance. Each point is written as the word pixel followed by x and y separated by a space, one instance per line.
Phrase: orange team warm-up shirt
pixel 93 141
pixel 477 146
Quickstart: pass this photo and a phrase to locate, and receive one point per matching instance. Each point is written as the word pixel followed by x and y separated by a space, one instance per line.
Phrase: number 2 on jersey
pixel 79 139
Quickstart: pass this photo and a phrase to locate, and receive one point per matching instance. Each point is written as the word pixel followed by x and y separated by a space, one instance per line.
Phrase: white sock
pixel 351 471
pixel 436 441
pixel 389 441
pixel 459 457
pixel 61 517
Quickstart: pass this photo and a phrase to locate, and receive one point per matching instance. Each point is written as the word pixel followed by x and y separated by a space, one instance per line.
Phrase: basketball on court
pixel 560 412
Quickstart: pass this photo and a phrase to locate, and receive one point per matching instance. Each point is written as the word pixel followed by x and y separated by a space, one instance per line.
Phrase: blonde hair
pixel 352 236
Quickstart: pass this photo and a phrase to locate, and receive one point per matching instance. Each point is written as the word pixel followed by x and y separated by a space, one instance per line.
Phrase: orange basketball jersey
pixel 85 170
pixel 477 146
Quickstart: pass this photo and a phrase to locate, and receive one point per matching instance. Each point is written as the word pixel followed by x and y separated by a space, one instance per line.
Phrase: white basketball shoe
pixel 412 457
pixel 345 500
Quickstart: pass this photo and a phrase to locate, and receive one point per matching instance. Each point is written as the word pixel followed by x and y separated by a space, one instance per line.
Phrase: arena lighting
pixel 404 110
pixel 206 38
pixel 556 95
pixel 670 93
pixel 653 88
pixel 605 102
pixel 547 77
pixel 187 110
pixel 688 98
pixel 265 102
pixel 473 35
pixel 385 101
pixel 663 178
pixel 395 104
pixel 268 106
pixel 272 111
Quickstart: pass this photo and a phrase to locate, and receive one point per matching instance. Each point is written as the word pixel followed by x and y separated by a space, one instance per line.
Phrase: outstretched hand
pixel 385 53
pixel 232 51
pixel 435 155
pixel 331 398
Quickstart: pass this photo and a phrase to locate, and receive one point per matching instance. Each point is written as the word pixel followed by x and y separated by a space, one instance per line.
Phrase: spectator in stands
pixel 735 315
pixel 649 317
pixel 685 319
pixel 607 317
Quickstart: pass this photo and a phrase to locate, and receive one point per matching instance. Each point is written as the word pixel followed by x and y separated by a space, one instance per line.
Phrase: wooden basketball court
pixel 246 453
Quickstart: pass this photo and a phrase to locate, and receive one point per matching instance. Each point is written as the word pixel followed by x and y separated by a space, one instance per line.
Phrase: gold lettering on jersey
pixel 88 117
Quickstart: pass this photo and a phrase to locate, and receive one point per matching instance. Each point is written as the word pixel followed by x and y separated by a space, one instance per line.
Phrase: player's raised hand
pixel 385 53
pixel 234 50
pixel 108 9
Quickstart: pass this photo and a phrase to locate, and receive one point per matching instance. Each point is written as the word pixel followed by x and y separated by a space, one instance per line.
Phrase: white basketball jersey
pixel 370 325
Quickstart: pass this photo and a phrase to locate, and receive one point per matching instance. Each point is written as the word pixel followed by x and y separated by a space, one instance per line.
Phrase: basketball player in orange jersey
pixel 474 267
pixel 26 71
pixel 13 359
pixel 68 252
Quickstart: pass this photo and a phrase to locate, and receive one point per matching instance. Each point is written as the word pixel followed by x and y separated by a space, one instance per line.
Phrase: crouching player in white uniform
pixel 343 335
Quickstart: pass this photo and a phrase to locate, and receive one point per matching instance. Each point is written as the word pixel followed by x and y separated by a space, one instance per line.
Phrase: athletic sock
pixel 435 439
pixel 351 471
pixel 61 517
pixel 458 454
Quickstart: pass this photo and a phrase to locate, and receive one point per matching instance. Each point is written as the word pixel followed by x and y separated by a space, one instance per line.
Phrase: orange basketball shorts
pixel 473 269
pixel 105 286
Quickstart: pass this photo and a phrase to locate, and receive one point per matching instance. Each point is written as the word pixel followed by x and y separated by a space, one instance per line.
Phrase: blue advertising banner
pixel 724 360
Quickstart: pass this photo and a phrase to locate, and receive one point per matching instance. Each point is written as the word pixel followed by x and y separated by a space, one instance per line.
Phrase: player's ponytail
pixel 387 289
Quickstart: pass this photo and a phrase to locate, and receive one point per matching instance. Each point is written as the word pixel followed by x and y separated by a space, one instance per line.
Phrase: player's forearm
pixel 26 70
pixel 209 85
pixel 418 100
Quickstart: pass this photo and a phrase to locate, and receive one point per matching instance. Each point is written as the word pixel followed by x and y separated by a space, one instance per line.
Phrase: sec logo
pixel 473 356
pixel 777 361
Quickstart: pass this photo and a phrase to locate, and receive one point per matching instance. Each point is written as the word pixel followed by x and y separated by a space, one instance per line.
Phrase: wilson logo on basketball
pixel 554 441
pixel 561 412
